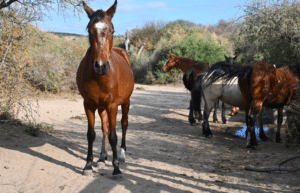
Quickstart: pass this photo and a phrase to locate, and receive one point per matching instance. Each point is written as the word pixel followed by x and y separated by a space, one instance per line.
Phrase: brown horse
pixel 262 85
pixel 105 81
pixel 192 70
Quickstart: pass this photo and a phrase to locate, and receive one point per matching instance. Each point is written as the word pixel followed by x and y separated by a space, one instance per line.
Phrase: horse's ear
pixel 87 9
pixel 226 57
pixel 235 58
pixel 112 10
pixel 171 55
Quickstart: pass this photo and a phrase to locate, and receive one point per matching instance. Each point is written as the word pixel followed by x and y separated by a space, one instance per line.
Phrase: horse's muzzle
pixel 101 70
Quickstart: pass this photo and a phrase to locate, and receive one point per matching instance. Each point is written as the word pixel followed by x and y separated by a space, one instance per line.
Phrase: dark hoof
pixel 264 138
pixel 100 164
pixel 216 121
pixel 192 121
pixel 224 121
pixel 207 134
pixel 117 177
pixel 278 140
pixel 87 172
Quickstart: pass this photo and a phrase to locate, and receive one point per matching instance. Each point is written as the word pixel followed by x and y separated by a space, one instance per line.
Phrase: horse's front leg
pixel 279 122
pixel 124 122
pixel 91 135
pixel 216 106
pixel 105 132
pixel 223 113
pixel 112 111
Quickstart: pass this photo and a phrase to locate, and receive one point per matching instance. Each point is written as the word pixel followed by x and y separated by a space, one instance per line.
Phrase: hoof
pixel 224 121
pixel 117 177
pixel 216 121
pixel 278 141
pixel 192 121
pixel 87 172
pixel 264 138
pixel 100 164
pixel 252 147
pixel 208 135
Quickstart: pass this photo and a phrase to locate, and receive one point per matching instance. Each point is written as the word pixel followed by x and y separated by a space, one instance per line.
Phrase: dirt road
pixel 164 152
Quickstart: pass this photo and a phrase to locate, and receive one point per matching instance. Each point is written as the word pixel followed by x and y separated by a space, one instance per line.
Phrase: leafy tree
pixel 269 31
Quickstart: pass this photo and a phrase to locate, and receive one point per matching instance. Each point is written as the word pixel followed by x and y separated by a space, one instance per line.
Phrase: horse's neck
pixel 185 64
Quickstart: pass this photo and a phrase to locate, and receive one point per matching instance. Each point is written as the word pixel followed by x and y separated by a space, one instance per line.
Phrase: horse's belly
pixel 232 96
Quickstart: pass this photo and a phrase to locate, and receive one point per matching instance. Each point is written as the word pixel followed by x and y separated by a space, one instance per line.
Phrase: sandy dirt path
pixel 164 152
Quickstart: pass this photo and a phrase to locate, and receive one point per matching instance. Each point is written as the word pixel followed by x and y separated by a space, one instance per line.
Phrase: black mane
pixel 295 69
pixel 227 72
pixel 97 16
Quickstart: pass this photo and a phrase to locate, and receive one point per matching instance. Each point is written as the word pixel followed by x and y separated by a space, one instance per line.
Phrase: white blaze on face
pixel 166 63
pixel 100 26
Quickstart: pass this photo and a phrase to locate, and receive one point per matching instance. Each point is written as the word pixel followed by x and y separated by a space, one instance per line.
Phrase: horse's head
pixel 170 63
pixel 101 31
pixel 230 60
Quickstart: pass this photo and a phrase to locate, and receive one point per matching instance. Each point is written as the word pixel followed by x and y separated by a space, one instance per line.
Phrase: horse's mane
pixel 295 69
pixel 226 71
pixel 96 16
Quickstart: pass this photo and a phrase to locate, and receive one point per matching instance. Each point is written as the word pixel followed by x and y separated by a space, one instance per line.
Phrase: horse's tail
pixel 226 72
pixel 188 79
pixel 197 93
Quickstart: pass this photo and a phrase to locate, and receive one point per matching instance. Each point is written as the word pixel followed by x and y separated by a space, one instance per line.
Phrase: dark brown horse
pixel 105 81
pixel 262 85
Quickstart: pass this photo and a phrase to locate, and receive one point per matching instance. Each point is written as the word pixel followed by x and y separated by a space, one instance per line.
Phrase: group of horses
pixel 105 80
pixel 249 87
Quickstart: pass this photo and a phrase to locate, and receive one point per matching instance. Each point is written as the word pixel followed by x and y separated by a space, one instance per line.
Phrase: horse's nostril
pixel 97 65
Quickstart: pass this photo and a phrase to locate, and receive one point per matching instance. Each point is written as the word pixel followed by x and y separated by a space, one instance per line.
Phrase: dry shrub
pixel 14 62
pixel 55 61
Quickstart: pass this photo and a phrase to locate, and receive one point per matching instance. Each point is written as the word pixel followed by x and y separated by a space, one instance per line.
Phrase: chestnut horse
pixel 105 81
pixel 186 65
pixel 262 85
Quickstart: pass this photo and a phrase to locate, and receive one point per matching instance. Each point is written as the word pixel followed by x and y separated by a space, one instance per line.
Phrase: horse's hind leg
pixel 223 113
pixel 112 111
pixel 216 106
pixel 251 137
pixel 262 134
pixel 91 135
pixel 279 122
pixel 105 132
pixel 124 122
pixel 191 114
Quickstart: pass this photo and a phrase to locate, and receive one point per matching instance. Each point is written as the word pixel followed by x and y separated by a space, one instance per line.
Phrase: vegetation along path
pixel 164 152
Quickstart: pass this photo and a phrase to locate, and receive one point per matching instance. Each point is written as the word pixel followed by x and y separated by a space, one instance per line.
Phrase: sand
pixel 164 152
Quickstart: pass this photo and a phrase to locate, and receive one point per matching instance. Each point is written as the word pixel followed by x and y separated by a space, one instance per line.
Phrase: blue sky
pixel 135 13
